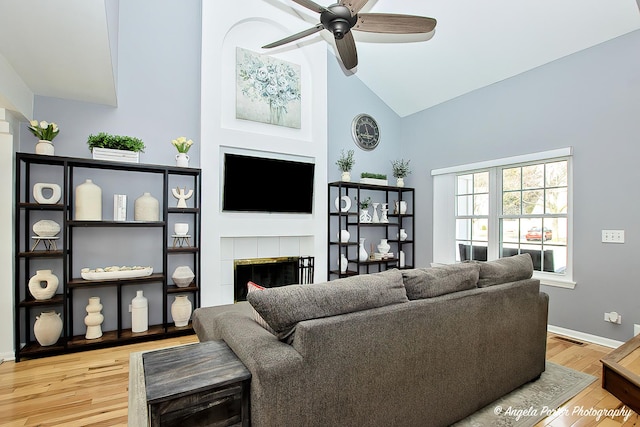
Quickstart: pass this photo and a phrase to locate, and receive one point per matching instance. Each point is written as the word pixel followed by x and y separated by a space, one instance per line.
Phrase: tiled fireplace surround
pixel 232 248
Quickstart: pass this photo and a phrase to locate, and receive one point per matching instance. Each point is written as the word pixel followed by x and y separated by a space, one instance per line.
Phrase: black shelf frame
pixel 350 220
pixel 25 344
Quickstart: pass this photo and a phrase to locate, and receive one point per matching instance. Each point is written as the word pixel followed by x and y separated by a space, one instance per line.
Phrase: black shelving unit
pixel 372 231
pixel 62 170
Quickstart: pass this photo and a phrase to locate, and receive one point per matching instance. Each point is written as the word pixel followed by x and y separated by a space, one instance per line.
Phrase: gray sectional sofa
pixel 399 348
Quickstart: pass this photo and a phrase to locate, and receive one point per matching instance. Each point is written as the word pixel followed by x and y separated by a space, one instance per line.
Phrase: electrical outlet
pixel 613 317
pixel 612 236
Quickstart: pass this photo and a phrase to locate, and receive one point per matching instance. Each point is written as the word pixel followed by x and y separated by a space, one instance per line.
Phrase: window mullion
pixel 495 209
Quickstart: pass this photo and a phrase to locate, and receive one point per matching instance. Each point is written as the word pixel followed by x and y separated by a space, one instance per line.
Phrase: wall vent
pixel 569 340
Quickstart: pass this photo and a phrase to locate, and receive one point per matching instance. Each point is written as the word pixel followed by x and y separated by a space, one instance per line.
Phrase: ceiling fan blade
pixel 353 5
pixel 394 23
pixel 295 37
pixel 311 5
pixel 347 50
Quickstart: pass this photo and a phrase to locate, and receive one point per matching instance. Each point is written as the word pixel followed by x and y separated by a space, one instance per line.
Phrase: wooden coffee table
pixel 621 373
pixel 198 384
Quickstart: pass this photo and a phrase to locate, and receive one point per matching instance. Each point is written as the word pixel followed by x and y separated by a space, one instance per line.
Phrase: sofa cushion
pixel 253 287
pixel 504 270
pixel 432 282
pixel 283 307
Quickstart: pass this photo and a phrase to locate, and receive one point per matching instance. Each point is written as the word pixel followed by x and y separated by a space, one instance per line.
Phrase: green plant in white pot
pixel 345 164
pixel 400 170
pixel 105 146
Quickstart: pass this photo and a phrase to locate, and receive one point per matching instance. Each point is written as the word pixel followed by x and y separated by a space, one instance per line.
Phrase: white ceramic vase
pixel 88 202
pixel 346 176
pixel 38 193
pixel 46 228
pixel 94 319
pixel 343 236
pixel 402 262
pixel 182 160
pixel 181 228
pixel 362 252
pixel 43 285
pixel 182 276
pixel 401 207
pixel 364 216
pixel 139 313
pixel 146 208
pixel 400 182
pixel 47 328
pixel 344 263
pixel 181 310
pixel 384 246
pixel 45 147
pixel 375 217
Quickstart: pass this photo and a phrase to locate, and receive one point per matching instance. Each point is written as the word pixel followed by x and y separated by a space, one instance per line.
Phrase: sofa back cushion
pixel 435 281
pixel 504 270
pixel 283 307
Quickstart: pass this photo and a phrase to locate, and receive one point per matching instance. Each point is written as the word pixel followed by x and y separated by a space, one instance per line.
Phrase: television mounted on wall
pixel 261 184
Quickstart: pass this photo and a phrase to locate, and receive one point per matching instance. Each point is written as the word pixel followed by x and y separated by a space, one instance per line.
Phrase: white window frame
pixel 444 213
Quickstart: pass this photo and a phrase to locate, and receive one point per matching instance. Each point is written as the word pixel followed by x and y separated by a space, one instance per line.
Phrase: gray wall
pixel 159 44
pixel 158 86
pixel 347 98
pixel 591 101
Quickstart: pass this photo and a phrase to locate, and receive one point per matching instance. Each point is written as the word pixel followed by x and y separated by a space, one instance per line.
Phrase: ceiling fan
pixel 342 17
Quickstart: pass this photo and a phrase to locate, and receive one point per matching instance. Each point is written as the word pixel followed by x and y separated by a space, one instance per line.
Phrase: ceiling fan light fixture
pixel 339 27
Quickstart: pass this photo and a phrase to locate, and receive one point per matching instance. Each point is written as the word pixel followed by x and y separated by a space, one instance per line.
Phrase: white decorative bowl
pixel 182 276
pixel 46 228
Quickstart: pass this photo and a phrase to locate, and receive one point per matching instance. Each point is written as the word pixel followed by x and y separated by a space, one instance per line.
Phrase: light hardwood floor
pixel 90 388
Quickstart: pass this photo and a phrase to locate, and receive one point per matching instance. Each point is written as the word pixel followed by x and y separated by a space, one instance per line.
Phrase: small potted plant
pixel 105 146
pixel 373 178
pixel 45 132
pixel 345 164
pixel 400 170
pixel 183 145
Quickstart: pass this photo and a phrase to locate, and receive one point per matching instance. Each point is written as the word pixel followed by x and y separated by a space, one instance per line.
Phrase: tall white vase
pixel 146 208
pixel 139 313
pixel 47 328
pixel 88 202
pixel 362 252
pixel 181 310
pixel 343 263
pixel 94 319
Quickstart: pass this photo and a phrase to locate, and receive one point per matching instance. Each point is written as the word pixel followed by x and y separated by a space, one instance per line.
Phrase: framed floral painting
pixel 267 89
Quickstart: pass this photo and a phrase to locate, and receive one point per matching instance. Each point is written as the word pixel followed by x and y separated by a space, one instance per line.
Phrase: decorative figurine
pixel 179 193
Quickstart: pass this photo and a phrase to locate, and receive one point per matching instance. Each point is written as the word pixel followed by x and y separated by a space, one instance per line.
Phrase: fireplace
pixel 270 273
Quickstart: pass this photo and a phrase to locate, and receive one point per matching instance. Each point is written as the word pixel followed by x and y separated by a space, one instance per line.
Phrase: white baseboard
pixel 7 357
pixel 584 337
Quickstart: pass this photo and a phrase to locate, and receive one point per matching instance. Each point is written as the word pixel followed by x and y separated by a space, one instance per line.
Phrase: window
pixel 506 207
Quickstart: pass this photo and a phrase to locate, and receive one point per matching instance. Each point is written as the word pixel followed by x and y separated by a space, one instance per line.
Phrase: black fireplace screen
pixel 270 273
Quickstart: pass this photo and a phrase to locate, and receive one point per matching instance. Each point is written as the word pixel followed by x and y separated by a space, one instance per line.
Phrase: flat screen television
pixel 260 184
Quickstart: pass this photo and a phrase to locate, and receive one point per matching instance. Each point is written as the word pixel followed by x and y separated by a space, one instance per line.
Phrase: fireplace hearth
pixel 270 273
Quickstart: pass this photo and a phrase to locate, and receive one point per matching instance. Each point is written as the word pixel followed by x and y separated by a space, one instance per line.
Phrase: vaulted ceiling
pixel 65 50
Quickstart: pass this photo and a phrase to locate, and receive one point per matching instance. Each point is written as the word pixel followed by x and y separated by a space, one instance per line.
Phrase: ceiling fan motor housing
pixel 338 20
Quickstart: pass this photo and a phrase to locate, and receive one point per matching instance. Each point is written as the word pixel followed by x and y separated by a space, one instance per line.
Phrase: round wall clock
pixel 365 131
